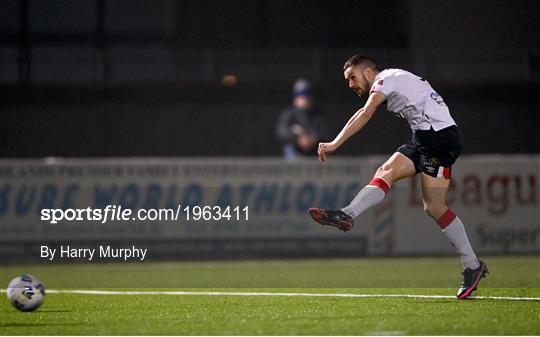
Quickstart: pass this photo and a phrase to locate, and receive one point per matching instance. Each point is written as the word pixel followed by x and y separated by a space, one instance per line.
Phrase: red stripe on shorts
pixel 447 172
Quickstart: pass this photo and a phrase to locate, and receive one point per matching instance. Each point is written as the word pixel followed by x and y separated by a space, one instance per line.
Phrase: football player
pixel 434 147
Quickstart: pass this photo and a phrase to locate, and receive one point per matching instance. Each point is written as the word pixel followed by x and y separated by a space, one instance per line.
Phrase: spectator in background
pixel 301 126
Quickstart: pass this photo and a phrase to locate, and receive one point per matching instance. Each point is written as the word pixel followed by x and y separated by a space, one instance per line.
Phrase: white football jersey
pixel 411 97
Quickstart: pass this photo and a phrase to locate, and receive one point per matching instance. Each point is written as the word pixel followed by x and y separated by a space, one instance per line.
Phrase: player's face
pixel 358 80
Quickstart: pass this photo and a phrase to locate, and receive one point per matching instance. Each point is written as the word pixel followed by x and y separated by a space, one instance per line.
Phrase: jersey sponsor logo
pixel 437 98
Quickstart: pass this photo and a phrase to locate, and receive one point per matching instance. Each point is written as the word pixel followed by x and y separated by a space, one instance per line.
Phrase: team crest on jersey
pixel 376 85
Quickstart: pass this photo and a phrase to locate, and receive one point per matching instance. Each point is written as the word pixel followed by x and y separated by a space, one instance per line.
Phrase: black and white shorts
pixel 434 152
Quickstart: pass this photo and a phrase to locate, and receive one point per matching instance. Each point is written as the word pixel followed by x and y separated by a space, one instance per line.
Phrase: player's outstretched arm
pixel 355 124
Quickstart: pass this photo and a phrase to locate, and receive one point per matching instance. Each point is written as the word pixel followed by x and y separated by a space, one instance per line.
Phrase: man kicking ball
pixel 435 146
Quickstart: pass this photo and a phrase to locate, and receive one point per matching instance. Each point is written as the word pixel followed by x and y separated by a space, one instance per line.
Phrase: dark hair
pixel 360 59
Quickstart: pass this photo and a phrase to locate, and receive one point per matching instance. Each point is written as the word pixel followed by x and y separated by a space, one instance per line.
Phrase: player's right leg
pixel 397 167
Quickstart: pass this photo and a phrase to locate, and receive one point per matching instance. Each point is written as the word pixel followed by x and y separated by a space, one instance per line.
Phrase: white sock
pixel 370 195
pixel 454 231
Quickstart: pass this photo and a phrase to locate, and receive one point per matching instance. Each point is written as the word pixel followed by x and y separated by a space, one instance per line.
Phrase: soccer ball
pixel 26 292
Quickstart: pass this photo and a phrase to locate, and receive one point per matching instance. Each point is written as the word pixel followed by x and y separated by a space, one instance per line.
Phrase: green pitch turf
pixel 83 314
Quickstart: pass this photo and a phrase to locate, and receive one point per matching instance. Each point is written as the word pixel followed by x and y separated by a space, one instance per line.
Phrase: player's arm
pixel 360 118
pixel 355 124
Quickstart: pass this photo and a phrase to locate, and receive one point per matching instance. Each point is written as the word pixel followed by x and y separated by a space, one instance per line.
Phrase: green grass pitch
pixel 83 314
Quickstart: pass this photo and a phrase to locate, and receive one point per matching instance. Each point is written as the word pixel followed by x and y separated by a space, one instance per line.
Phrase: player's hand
pixel 324 149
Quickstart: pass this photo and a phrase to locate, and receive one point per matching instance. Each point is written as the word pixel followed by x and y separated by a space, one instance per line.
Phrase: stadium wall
pixel 496 196
pixel 182 121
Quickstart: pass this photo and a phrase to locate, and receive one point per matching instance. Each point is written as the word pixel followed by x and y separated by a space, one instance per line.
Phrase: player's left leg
pixel 434 197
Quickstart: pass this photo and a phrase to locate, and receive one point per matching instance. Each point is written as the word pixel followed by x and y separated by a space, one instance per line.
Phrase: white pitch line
pixel 224 293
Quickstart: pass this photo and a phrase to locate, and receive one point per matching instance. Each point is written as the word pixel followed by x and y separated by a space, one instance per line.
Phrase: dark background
pixel 144 78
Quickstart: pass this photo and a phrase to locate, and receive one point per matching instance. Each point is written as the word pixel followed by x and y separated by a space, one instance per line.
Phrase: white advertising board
pixel 496 197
